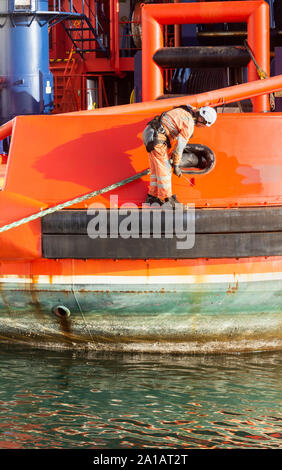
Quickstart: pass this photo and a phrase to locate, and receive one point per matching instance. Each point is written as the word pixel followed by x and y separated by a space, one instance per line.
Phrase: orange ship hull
pixel 60 288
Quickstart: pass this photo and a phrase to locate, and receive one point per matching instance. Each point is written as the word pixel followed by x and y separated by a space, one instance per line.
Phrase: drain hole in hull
pixel 61 311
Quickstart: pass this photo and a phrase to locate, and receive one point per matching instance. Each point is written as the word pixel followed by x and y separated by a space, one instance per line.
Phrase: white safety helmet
pixel 209 115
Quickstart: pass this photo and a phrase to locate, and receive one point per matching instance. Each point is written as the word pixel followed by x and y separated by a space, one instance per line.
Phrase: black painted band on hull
pixel 206 246
pixel 219 233
pixel 258 219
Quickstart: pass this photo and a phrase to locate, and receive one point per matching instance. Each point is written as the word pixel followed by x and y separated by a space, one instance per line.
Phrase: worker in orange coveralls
pixel 174 125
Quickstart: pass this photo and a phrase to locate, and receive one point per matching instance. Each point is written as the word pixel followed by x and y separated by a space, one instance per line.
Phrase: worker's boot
pixel 153 200
pixel 172 203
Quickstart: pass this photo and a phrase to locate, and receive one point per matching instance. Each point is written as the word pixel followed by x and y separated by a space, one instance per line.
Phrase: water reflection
pixel 65 400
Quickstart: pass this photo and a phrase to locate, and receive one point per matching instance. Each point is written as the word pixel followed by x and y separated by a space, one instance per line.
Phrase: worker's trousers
pixel 160 178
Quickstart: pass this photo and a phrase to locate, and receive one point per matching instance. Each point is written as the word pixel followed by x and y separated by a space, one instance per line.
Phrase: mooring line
pixel 71 202
pixel 82 314
pixel 78 304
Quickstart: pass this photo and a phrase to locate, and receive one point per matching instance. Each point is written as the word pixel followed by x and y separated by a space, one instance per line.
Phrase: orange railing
pixel 154 16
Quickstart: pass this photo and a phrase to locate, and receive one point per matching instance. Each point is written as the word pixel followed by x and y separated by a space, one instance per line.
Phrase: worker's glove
pixel 177 171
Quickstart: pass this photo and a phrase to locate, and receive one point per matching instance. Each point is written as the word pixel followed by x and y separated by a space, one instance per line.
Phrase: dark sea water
pixel 62 400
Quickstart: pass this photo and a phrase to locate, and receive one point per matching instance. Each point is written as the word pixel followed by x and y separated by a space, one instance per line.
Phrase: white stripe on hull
pixel 135 280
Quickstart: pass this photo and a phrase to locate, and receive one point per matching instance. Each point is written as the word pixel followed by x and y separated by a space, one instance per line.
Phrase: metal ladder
pixel 85 32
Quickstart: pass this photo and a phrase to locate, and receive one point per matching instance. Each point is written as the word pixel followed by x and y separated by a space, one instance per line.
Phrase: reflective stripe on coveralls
pixel 160 178
pixel 179 126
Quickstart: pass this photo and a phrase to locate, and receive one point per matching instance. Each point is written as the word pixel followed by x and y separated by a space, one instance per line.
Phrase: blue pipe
pixel 24 60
